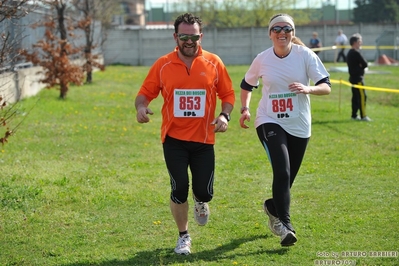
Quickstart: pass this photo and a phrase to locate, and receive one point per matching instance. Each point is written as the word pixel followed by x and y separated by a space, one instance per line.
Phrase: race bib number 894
pixel 282 105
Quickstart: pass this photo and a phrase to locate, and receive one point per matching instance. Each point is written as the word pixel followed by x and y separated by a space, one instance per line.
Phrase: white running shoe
pixel 288 238
pixel 366 118
pixel 183 245
pixel 275 224
pixel 201 212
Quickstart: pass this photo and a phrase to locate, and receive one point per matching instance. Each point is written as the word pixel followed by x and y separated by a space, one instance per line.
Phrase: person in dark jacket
pixel 315 42
pixel 356 67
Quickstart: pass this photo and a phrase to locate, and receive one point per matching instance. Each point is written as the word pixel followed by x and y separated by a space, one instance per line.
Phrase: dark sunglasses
pixel 186 37
pixel 278 29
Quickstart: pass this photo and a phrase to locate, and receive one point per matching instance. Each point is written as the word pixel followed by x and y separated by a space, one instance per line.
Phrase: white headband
pixel 282 18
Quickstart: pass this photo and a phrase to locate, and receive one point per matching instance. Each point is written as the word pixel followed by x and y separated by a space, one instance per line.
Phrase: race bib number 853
pixel 282 105
pixel 189 103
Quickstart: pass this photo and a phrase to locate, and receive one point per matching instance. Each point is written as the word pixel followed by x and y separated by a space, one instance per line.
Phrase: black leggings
pixel 285 153
pixel 200 157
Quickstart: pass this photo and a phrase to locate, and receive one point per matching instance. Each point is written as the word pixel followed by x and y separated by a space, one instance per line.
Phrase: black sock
pixel 183 233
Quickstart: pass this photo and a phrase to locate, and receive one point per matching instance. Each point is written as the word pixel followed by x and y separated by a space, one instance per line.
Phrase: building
pixel 132 13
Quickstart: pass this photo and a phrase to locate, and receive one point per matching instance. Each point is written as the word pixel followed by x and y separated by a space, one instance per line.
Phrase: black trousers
pixel 341 53
pixel 200 158
pixel 285 153
pixel 359 98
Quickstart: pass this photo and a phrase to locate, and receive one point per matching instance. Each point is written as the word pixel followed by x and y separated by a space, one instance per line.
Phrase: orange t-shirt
pixel 189 94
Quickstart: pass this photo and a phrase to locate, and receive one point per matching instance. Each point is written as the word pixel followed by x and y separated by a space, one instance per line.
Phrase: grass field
pixel 82 183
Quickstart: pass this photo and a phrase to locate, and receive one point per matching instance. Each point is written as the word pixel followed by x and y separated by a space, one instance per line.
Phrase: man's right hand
pixel 142 116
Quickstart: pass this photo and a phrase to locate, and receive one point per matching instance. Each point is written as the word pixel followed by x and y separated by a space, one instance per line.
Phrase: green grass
pixel 82 183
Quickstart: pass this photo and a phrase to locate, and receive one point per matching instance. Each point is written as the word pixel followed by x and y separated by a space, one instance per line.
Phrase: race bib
pixel 189 103
pixel 283 105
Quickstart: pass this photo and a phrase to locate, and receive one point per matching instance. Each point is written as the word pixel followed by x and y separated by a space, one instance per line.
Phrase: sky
pixel 341 4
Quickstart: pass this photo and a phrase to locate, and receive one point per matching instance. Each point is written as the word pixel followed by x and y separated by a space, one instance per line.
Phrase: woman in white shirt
pixel 283 117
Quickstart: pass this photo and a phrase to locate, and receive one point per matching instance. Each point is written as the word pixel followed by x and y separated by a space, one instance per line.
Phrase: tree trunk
pixel 63 91
pixel 89 77
pixel 89 68
pixel 61 19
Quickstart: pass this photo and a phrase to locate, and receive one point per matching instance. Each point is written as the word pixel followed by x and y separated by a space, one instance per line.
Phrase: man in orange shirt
pixel 190 80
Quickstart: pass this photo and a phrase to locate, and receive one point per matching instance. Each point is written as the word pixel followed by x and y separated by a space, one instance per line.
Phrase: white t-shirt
pixel 278 105
pixel 341 39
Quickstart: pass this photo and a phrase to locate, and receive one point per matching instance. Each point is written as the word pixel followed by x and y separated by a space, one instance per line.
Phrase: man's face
pixel 188 39
pixel 358 44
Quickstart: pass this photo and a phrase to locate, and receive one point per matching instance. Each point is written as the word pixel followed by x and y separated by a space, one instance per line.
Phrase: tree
pixel 92 10
pixel 53 53
pixel 10 11
pixel 242 13
pixel 376 11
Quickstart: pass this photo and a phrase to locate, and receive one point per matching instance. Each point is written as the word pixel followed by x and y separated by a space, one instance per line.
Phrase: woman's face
pixel 281 34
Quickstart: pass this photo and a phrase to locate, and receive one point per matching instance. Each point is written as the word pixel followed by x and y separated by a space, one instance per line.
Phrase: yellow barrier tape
pixel 334 47
pixel 363 87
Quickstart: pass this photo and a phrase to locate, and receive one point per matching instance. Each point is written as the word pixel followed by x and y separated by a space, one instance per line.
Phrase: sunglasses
pixel 278 29
pixel 186 37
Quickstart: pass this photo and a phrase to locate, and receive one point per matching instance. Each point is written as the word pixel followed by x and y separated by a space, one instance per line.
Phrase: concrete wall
pixel 236 46
pixel 25 82
pixel 20 84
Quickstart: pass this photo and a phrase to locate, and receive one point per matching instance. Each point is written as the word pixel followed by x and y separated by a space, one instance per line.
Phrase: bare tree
pixel 10 12
pixel 11 9
pixel 93 10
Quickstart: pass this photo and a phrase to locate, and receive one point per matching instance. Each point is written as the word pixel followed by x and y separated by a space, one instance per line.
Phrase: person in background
pixel 283 116
pixel 356 66
pixel 315 42
pixel 190 80
pixel 341 40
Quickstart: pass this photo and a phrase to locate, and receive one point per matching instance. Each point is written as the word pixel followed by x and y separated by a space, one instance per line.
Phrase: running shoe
pixel 366 118
pixel 275 225
pixel 183 245
pixel 288 238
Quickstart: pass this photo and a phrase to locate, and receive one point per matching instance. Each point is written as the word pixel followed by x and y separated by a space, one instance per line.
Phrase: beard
pixel 188 50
